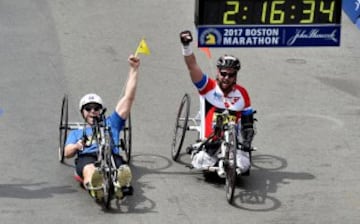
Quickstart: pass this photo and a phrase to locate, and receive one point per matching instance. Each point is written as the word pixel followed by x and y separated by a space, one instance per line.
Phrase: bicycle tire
pixel 107 172
pixel 63 128
pixel 126 140
pixel 230 165
pixel 108 188
pixel 180 127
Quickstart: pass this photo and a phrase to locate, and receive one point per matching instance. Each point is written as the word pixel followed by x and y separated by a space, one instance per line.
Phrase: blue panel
pixel 269 36
pixel 352 9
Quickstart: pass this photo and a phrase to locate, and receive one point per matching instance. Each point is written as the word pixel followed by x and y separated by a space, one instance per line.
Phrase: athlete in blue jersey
pixel 90 107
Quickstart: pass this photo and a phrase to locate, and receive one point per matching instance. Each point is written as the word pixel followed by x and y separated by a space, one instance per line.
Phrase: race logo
pixel 210 36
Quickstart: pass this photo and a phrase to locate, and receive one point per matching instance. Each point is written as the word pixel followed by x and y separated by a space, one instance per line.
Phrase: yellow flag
pixel 142 48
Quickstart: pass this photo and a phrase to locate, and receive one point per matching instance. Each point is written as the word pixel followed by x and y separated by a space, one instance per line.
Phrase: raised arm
pixel 124 105
pixel 195 71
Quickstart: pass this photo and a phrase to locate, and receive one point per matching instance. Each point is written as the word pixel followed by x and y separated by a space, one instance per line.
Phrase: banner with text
pixel 269 36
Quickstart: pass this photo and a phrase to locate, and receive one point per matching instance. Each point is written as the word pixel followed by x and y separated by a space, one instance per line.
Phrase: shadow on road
pixel 32 191
pixel 252 192
pixel 266 175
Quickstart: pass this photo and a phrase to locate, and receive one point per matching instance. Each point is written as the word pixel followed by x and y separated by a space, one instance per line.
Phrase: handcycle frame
pixel 102 132
pixel 225 131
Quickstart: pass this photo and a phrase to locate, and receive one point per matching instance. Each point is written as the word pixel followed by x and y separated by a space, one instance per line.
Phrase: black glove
pixel 248 135
pixel 246 146
pixel 247 131
pixel 186 37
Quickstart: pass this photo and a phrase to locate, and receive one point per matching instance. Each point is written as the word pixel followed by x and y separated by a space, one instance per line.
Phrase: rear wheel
pixel 230 165
pixel 125 140
pixel 180 126
pixel 63 127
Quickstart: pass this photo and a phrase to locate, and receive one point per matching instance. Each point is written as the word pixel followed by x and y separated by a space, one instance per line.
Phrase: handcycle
pixel 101 133
pixel 224 136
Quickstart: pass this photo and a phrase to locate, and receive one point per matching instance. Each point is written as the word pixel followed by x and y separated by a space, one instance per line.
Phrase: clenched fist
pixel 186 37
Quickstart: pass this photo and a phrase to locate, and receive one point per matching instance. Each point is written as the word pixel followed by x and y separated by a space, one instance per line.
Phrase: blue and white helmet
pixel 90 98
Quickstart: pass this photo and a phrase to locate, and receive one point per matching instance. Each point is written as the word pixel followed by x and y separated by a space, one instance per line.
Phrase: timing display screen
pixel 227 12
pixel 305 22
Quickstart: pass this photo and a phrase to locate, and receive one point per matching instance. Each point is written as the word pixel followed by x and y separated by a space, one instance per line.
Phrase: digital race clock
pixel 268 23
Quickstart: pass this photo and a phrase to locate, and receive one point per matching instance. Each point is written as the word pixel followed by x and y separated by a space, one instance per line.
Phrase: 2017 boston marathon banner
pixel 269 36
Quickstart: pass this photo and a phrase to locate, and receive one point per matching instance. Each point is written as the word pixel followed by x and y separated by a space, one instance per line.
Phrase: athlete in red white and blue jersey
pixel 236 100
pixel 217 95
pixel 221 93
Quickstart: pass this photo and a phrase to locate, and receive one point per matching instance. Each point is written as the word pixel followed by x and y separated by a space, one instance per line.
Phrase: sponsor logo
pixel 218 96
pixel 312 34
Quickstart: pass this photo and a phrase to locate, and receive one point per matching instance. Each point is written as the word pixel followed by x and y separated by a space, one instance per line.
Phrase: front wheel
pixel 230 165
pixel 108 187
pixel 107 172
pixel 63 127
pixel 180 126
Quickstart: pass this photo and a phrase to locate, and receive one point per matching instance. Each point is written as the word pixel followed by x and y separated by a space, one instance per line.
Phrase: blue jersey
pixel 116 124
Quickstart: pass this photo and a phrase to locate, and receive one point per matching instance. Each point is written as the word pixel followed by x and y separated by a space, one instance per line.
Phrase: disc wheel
pixel 180 127
pixel 126 139
pixel 63 127
pixel 230 166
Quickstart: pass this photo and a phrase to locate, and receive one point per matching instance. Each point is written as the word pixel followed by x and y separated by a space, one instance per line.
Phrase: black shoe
pixel 127 191
pixel 189 150
pixel 247 173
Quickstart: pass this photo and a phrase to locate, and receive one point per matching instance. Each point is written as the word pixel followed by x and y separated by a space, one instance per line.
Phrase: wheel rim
pixel 128 138
pixel 125 140
pixel 63 128
pixel 107 170
pixel 180 127
pixel 230 180
pixel 230 168
pixel 108 188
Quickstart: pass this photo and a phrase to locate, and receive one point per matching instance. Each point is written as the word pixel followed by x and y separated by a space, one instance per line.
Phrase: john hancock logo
pixel 312 34
pixel 210 37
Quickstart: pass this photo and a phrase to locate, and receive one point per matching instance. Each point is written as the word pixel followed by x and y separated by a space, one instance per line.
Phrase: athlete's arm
pixel 72 145
pixel 71 149
pixel 195 71
pixel 124 105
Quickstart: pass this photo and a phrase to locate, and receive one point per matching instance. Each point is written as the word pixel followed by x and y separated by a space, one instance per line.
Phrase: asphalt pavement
pixel 306 168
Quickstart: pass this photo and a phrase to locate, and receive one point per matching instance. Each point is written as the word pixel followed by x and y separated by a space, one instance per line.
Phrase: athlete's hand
pixel 80 144
pixel 186 37
pixel 134 61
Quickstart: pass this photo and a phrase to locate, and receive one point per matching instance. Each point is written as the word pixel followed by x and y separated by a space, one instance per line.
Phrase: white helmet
pixel 90 98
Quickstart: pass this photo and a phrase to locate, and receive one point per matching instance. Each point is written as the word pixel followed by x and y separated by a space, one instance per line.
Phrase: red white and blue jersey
pixel 214 101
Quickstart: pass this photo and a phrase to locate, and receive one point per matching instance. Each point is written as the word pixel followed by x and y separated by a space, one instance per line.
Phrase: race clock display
pixel 228 12
pixel 304 20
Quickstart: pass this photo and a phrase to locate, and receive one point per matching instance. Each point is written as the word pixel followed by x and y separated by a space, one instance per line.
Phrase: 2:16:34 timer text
pixel 281 12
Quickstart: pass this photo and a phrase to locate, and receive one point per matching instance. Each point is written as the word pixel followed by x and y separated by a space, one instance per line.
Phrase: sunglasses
pixel 231 75
pixel 90 107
